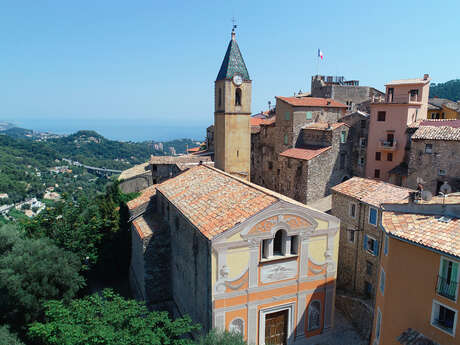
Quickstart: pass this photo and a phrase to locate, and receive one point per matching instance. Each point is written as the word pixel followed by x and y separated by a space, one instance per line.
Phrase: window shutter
pixel 454 272
pixel 376 248
pixel 309 115
pixel 365 242
pixel 386 245
pixel 444 268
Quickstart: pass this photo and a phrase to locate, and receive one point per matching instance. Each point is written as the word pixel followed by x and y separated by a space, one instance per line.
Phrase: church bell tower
pixel 232 110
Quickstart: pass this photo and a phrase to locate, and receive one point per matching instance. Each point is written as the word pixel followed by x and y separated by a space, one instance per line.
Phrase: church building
pixel 229 253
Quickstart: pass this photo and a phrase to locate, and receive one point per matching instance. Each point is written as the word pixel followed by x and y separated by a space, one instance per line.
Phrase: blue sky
pixel 157 60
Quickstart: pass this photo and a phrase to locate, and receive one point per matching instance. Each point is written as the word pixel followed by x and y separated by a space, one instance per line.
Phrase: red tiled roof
pixel 426 230
pixel 437 133
pixel 194 149
pixel 269 121
pixel 324 125
pixel 145 196
pixel 441 122
pixel 212 200
pixel 305 154
pixel 255 121
pixel 312 102
pixel 372 192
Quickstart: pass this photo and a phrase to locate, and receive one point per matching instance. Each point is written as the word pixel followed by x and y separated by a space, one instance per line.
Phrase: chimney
pixel 426 76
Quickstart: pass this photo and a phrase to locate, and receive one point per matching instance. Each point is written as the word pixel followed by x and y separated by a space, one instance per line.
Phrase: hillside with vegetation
pixel 449 90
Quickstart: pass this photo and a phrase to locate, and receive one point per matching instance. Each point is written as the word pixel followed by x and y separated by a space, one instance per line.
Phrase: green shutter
pixel 444 268
pixel 309 115
pixel 376 248
pixel 285 139
pixel 342 137
pixel 454 272
pixel 287 115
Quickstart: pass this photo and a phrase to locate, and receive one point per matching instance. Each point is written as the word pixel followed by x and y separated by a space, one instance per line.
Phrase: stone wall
pixel 354 120
pixel 445 156
pixel 190 266
pixel 137 183
pixel 353 258
pixel 357 311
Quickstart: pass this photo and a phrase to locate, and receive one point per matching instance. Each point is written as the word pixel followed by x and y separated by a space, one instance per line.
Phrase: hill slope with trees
pixel 449 90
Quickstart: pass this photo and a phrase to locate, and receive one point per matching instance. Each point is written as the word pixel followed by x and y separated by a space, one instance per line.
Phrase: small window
pixel 278 243
pixel 373 216
pixel 381 116
pixel 309 115
pixel 443 317
pixel 294 245
pixel 265 248
pixel 443 116
pixel 343 137
pixel 287 115
pixel 382 280
pixel 371 245
pixel 428 148
pixel 369 267
pixel 351 235
pixel 238 96
pixel 286 139
pixel 361 160
pixel 368 289
pixel 363 123
pixel 378 156
pixel 352 210
pixel 386 244
pixel 314 315
pixel 378 324
pixel 377 173
pixel 441 172
pixel 362 142
pixel 448 279
pixel 389 157
pixel 270 165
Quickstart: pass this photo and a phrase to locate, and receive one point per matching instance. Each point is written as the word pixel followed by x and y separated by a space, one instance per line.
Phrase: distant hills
pixel 449 90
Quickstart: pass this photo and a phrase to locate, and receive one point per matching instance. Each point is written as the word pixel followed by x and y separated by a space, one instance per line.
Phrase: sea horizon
pixel 135 130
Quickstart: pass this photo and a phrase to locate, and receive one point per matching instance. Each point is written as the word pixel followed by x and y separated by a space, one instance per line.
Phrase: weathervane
pixel 234 25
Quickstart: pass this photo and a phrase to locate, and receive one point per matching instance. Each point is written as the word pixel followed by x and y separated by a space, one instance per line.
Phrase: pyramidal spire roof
pixel 233 62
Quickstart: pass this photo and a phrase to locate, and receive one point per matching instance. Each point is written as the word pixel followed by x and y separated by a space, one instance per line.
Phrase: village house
pixel 357 203
pixel 231 254
pixel 441 108
pixel 434 159
pixel 405 103
pixel 417 296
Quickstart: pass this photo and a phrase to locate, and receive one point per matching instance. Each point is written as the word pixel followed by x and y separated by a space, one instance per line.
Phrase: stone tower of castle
pixel 232 100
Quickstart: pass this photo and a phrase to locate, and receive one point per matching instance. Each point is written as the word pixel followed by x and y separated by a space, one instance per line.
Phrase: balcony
pixel 406 99
pixel 386 145
pixel 447 288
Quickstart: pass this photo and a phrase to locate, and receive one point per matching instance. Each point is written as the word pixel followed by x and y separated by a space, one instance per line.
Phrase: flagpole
pixel 317 63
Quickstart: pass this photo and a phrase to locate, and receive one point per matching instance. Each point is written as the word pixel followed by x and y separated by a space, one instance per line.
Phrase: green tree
pixel 8 338
pixel 221 338
pixel 33 271
pixel 110 320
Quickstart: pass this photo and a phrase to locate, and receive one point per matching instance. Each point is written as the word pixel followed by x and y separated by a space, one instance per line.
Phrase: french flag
pixel 320 54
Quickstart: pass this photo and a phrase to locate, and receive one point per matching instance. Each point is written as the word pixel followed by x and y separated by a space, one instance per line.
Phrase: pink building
pixel 406 101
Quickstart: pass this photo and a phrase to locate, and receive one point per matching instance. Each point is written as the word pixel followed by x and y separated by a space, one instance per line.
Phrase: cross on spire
pixel 233 24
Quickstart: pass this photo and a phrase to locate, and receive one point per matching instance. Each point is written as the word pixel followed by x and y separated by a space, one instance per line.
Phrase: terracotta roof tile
pixel 178 159
pixel 135 171
pixel 145 197
pixel 255 121
pixel 304 154
pixel 312 102
pixel 426 230
pixel 437 133
pixel 212 200
pixel 441 122
pixel 324 125
pixel 269 121
pixel 372 192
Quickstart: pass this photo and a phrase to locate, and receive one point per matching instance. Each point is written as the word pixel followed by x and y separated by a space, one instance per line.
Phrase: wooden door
pixel 276 328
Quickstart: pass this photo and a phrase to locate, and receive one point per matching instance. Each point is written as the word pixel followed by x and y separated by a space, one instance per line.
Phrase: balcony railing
pixel 398 99
pixel 447 288
pixel 387 145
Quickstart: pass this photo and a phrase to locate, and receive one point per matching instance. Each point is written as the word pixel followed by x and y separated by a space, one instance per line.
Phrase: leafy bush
pixel 8 338
pixel 32 272
pixel 221 338
pixel 110 320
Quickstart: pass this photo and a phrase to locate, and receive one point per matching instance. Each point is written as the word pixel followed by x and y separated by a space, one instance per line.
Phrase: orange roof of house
pixel 312 102
pixel 372 192
pixel 256 121
pixel 305 154
pixel 145 196
pixel 324 125
pixel 194 149
pixel 426 230
pixel 214 201
pixel 145 224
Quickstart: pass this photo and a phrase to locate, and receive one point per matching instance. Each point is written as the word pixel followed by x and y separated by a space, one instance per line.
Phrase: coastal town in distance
pixel 330 217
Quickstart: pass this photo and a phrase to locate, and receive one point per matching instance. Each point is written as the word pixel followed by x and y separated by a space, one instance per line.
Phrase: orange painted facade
pixel 409 296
